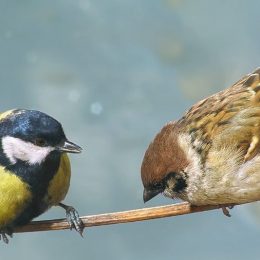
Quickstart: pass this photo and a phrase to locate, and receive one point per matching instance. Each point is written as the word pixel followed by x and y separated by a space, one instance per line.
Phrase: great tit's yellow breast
pixel 14 196
pixel 59 185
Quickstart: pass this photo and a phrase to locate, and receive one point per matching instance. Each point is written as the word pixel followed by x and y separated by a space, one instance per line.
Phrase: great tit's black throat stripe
pixel 38 177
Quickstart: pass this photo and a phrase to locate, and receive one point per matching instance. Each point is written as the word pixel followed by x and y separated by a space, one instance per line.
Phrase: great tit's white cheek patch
pixel 15 148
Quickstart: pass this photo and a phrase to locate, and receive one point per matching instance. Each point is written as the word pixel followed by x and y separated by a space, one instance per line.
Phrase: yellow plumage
pixel 14 196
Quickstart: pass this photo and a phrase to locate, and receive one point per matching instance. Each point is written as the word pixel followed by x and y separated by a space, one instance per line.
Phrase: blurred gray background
pixel 113 72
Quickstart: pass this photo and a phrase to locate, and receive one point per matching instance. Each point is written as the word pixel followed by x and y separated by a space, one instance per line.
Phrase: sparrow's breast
pixel 224 179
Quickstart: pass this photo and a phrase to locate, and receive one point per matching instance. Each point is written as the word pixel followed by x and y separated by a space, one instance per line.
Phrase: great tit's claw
pixel 4 235
pixel 73 218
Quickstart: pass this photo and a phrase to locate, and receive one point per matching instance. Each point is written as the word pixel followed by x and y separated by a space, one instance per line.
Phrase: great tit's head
pixel 30 136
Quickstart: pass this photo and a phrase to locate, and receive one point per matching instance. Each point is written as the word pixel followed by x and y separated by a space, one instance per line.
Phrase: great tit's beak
pixel 69 147
pixel 149 194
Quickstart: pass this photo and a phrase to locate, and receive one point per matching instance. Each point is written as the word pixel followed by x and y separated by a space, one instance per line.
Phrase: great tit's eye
pixel 40 142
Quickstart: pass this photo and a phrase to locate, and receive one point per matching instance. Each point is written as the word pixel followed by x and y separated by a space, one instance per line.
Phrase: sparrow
pixel 34 169
pixel 211 156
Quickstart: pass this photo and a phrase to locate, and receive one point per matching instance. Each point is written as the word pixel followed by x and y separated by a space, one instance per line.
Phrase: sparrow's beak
pixel 149 194
pixel 69 147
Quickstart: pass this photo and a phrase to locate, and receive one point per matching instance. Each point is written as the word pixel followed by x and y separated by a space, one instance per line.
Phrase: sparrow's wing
pixel 230 117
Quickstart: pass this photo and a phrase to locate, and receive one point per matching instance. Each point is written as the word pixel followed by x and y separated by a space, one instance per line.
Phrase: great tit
pixel 34 169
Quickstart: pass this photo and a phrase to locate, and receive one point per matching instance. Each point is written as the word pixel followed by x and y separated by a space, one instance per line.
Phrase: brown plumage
pixel 211 155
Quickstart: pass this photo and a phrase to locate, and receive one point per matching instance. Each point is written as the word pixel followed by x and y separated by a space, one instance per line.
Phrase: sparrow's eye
pixel 158 186
pixel 39 142
pixel 172 174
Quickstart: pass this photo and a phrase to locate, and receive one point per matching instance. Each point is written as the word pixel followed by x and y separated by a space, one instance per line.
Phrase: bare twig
pixel 119 217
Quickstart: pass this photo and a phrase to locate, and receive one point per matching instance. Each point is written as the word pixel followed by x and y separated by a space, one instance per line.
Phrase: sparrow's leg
pixel 4 233
pixel 225 210
pixel 73 218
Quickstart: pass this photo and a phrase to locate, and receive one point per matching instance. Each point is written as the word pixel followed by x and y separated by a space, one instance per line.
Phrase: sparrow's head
pixel 30 136
pixel 164 164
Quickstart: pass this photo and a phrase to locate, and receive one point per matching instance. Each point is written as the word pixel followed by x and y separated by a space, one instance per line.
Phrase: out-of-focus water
pixel 113 72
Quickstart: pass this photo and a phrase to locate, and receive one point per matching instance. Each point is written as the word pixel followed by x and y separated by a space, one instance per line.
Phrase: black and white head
pixel 30 136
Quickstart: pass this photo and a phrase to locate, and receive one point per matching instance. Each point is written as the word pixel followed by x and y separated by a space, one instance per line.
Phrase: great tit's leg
pixel 73 218
pixel 4 233
pixel 3 237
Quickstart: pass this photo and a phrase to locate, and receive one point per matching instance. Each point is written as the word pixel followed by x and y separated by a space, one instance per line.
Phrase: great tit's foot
pixel 73 218
pixel 5 233
pixel 226 211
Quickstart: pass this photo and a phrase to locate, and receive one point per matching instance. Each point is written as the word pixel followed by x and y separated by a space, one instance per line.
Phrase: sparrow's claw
pixel 226 212
pixel 4 235
pixel 73 218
